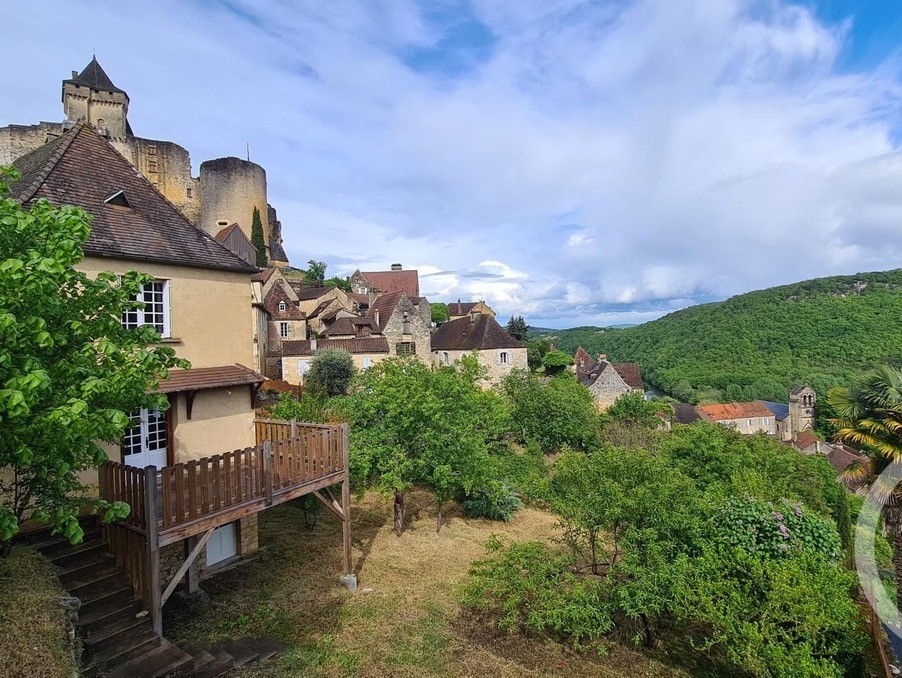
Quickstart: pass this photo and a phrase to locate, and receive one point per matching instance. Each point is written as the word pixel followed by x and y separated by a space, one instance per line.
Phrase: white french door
pixel 145 441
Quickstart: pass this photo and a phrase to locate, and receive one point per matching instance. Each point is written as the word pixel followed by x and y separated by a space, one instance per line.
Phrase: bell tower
pixel 801 409
pixel 92 96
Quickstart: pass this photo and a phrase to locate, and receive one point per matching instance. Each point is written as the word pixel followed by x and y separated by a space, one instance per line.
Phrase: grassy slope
pixel 34 642
pixel 758 345
pixel 408 624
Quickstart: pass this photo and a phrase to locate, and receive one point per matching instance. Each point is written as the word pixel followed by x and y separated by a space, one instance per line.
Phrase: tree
pixel 535 351
pixel 316 271
pixel 440 313
pixel 869 416
pixel 70 372
pixel 257 239
pixel 632 409
pixel 415 425
pixel 341 283
pixel 556 362
pixel 331 371
pixel 517 328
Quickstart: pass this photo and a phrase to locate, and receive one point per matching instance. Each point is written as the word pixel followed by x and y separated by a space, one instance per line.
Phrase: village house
pixel 607 381
pixel 479 333
pixel 458 310
pixel 373 284
pixel 297 356
pixel 323 306
pixel 746 418
pixel 398 320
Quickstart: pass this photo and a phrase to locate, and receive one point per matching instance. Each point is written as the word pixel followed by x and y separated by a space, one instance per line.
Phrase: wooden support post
pixel 346 498
pixel 267 471
pixel 294 428
pixel 190 559
pixel 192 584
pixel 153 603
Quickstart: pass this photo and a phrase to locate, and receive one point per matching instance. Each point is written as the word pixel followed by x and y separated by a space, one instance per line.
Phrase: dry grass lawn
pixel 31 622
pixel 404 621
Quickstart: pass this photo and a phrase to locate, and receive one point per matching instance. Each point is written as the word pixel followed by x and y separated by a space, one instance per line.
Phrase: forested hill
pixel 760 344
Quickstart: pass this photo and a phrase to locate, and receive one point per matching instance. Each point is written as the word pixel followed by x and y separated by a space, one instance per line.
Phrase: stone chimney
pixel 376 315
pixel 313 344
pixel 396 267
pixel 602 357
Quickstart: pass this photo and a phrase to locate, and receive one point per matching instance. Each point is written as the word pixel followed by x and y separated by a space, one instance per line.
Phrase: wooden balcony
pixel 187 501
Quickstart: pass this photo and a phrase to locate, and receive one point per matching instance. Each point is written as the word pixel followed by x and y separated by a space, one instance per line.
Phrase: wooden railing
pixel 281 429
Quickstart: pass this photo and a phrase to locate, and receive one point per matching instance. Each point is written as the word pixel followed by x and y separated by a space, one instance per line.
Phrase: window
pixel 284 330
pixel 145 440
pixel 406 348
pixel 503 358
pixel 282 307
pixel 152 165
pixel 446 357
pixel 303 367
pixel 190 192
pixel 366 362
pixel 155 311
pixel 151 150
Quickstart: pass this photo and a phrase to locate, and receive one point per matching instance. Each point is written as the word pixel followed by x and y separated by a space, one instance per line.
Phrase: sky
pixel 577 163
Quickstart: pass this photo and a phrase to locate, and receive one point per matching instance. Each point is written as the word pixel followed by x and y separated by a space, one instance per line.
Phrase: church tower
pixel 92 96
pixel 801 409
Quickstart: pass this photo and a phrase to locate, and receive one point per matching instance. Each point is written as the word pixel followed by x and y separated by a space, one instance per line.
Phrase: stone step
pixel 242 653
pixel 165 660
pixel 126 648
pixel 222 662
pixel 266 648
pixel 200 658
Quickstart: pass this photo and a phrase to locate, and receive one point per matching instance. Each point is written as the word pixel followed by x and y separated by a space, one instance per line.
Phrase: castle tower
pixel 230 189
pixel 92 96
pixel 801 409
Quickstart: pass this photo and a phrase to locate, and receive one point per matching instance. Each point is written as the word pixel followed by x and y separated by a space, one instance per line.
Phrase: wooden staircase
pixel 118 639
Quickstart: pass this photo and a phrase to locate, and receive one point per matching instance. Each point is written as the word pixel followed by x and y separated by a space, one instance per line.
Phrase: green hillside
pixel 758 345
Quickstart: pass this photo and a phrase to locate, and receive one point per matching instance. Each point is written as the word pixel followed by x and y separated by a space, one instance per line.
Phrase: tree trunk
pixel 897 564
pixel 646 630
pixel 399 512
pixel 438 519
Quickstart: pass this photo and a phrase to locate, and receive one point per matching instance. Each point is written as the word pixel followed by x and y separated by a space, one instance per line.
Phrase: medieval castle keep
pixel 225 193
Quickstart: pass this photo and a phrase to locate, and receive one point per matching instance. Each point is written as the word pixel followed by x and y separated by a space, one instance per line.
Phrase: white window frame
pixel 147 433
pixel 143 317
pixel 284 330
pixel 504 358
pixel 282 307
pixel 366 362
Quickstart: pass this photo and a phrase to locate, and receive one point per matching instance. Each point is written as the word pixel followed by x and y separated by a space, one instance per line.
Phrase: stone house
pixel 607 381
pixel 199 290
pixel 373 284
pixel 286 322
pixel 796 416
pixel 323 306
pixel 398 319
pixel 747 418
pixel 462 310
pixel 297 356
pixel 481 334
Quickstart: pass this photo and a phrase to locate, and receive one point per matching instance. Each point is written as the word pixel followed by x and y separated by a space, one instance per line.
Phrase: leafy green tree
pixel 415 425
pixel 70 372
pixel 517 328
pixel 440 313
pixel 257 239
pixel 535 351
pixel 336 281
pixel 331 371
pixel 632 409
pixel 316 271
pixel 869 416
pixel 556 362
pixel 309 406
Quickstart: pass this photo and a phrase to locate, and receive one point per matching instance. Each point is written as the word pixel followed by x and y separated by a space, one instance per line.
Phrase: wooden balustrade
pixel 127 538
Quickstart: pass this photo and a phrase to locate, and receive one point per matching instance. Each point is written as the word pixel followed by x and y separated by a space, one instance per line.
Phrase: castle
pixel 226 192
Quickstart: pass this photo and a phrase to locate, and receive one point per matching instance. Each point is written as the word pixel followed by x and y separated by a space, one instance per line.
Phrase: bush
pixel 495 501
pixel 310 407
pixel 331 371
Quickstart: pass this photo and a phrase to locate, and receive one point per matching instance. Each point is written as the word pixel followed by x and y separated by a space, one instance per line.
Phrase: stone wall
pixel 420 332
pixel 608 387
pixel 17 140
pixel 248 534
pixel 168 167
pixel 752 425
pixel 490 359
pixel 230 189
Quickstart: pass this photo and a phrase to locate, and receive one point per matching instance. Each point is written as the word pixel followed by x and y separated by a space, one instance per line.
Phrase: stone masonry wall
pixel 230 189
pixel 497 371
pixel 420 332
pixel 608 387
pixel 17 140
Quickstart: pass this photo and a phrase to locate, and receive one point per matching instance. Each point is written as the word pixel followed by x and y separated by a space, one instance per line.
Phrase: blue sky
pixel 574 162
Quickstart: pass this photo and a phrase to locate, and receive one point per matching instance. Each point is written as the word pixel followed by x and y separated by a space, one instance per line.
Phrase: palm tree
pixel 869 417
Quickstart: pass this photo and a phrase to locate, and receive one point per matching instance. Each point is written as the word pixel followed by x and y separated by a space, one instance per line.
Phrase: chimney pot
pixel 74 74
pixel 396 267
pixel 603 357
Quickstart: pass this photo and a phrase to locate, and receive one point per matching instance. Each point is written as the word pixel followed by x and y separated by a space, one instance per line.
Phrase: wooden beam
pixel 346 499
pixel 151 504
pixel 189 401
pixel 192 578
pixel 267 471
pixel 178 532
pixel 184 566
pixel 334 506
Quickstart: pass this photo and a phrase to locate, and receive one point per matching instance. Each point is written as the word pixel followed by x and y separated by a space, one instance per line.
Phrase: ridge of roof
pixel 62 142
pixel 467 334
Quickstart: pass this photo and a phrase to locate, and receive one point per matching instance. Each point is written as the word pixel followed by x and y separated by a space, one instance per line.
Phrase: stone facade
pixel 405 326
pixel 230 189
pixel 608 387
pixel 17 140
pixel 497 365
pixel 802 400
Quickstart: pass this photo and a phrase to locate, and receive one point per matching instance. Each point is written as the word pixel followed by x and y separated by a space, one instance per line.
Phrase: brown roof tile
pixel 385 305
pixel 631 374
pixel 366 345
pixel 388 282
pixel 729 411
pixel 201 378
pixel 466 334
pixel 81 168
pixel 805 439
pixel 458 308
pixel 274 297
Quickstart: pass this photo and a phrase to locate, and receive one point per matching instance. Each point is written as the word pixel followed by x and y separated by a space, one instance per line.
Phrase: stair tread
pixel 90 575
pixel 264 647
pixel 58 541
pixel 63 554
pixel 103 595
pixel 101 580
pixel 105 633
pixel 126 648
pixel 95 613
pixel 200 657
pixel 242 653
pixel 158 662
pixel 82 560
pixel 222 664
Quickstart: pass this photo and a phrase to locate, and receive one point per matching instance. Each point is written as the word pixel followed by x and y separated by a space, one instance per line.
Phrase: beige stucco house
pixel 481 335
pixel 199 302
pixel 297 356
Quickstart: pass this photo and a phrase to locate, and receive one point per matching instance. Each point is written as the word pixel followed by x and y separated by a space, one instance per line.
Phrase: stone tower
pixel 230 189
pixel 801 409
pixel 92 96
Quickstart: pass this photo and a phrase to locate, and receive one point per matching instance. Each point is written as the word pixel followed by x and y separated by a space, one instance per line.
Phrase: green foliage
pixel 495 500
pixel 555 362
pixel 535 351
pixel 70 373
pixel 415 425
pixel 341 283
pixel 759 345
pixel 517 328
pixel 554 414
pixel 440 312
pixel 331 371
pixel 525 470
pixel 632 409
pixel 257 239
pixel 316 271
pixel 311 407
pixel 530 586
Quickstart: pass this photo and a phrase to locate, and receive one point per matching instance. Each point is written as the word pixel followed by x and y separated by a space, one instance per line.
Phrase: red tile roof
pixel 466 334
pixel 805 439
pixel 730 411
pixel 367 345
pixel 197 379
pixel 277 295
pixel 385 305
pixel 458 308
pixel 81 168
pixel 630 373
pixel 388 282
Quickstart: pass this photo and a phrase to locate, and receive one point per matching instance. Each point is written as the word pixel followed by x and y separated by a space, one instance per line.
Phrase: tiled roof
pixel 841 457
pixel 366 345
pixel 197 379
pixel 224 233
pixel 805 439
pixel 81 168
pixel 458 308
pixel 466 334
pixel 631 374
pixel 584 363
pixel 385 305
pixel 388 282
pixel 345 326
pixel 730 411
pixel 780 410
pixel 95 77
pixel 798 389
pixel 361 299
pixel 306 294
pixel 684 413
pixel 277 295
pixel 264 275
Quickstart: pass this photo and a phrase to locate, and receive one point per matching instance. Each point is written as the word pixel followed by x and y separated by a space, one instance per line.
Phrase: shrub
pixel 495 501
pixel 331 371
pixel 311 406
